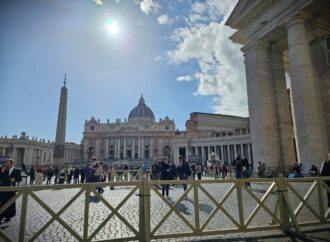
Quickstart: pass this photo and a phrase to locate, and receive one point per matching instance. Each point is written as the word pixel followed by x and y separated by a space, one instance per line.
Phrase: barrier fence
pixel 281 201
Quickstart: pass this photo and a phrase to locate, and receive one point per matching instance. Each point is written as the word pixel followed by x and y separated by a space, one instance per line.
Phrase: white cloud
pixel 209 10
pixel 221 69
pixel 98 2
pixel 164 19
pixel 148 6
pixel 184 78
pixel 158 58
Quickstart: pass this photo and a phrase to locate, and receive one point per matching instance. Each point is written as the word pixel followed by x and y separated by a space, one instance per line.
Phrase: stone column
pixel 203 155
pixel 309 129
pixel 259 80
pixel 282 117
pixel 125 148
pixel 107 148
pixel 133 148
pixel 139 148
pixel 235 151
pixel 118 147
pixel 97 149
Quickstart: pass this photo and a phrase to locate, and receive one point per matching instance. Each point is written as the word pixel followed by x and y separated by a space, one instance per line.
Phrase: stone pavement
pixel 115 228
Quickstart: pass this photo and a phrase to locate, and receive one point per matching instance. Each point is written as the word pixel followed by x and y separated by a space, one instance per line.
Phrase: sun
pixel 112 27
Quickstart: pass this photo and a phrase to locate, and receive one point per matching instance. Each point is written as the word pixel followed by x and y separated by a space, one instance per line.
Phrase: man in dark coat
pixel 9 176
pixel 325 171
pixel 183 171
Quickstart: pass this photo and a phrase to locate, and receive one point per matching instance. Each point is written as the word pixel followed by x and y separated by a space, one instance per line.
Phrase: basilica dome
pixel 141 112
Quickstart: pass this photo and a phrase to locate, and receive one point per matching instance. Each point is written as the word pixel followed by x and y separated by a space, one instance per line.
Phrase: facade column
pixel 107 148
pixel 125 148
pixel 133 148
pixel 203 155
pixel 139 148
pixel 307 118
pixel 118 147
pixel 235 151
pixel 242 151
pixel 97 149
pixel 260 89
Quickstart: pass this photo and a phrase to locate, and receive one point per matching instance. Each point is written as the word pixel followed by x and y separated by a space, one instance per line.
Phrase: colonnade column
pixel 107 148
pixel 264 135
pixel 308 125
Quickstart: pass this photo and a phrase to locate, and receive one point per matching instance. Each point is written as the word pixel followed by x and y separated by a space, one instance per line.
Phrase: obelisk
pixel 61 125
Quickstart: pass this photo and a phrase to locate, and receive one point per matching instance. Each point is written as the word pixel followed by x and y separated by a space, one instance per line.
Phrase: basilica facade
pixel 138 138
pixel 141 138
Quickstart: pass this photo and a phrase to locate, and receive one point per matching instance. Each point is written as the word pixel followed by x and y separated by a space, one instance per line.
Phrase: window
pixel 92 128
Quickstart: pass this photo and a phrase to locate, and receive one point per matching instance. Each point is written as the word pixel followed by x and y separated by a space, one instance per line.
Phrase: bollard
pixel 144 210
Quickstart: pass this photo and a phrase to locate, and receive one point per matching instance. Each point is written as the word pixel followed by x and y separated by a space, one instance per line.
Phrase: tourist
pixel 76 172
pixel 9 176
pixel 166 173
pixel 32 175
pixel 61 178
pixel 144 169
pixel 69 175
pixel 261 170
pixel 325 171
pixel 238 163
pixel 82 175
pixel 313 171
pixel 50 173
pixel 183 171
pixel 199 171
pixel 193 171
pixel 56 172
pixel 246 171
pixel 224 171
pixel 39 176
pixel 99 173
pixel 216 171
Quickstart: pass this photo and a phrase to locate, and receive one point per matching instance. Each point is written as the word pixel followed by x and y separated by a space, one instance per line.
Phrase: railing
pixel 283 203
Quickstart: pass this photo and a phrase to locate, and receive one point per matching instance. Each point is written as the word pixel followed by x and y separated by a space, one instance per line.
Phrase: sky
pixel 174 52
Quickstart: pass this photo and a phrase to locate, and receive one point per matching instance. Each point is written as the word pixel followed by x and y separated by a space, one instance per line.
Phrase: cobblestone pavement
pixel 115 228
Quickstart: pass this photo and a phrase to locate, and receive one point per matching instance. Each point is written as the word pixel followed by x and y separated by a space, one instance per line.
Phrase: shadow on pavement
pixel 311 235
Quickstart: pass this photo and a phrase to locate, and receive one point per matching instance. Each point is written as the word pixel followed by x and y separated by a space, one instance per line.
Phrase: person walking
pixel 76 174
pixel 9 176
pixel 183 171
pixel 246 171
pixel 166 173
pixel 261 170
pixel 199 171
pixel 32 174
pixel 325 171
pixel 39 177
pixel 99 173
pixel 238 164
pixel 82 175
pixel 56 173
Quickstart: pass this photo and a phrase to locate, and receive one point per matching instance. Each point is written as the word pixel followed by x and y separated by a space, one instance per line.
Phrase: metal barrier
pixel 284 215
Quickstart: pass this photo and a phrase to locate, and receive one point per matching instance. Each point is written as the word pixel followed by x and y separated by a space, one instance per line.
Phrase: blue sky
pixel 176 53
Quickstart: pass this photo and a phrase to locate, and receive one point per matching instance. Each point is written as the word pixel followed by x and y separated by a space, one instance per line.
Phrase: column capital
pixel 257 44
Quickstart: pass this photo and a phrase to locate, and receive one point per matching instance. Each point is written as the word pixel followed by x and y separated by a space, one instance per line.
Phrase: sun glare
pixel 112 27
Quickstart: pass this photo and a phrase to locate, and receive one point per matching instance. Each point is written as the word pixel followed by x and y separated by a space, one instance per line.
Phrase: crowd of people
pixel 97 171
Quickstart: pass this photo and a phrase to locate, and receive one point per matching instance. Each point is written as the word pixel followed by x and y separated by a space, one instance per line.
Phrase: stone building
pixel 138 138
pixel 225 135
pixel 280 37
pixel 35 152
